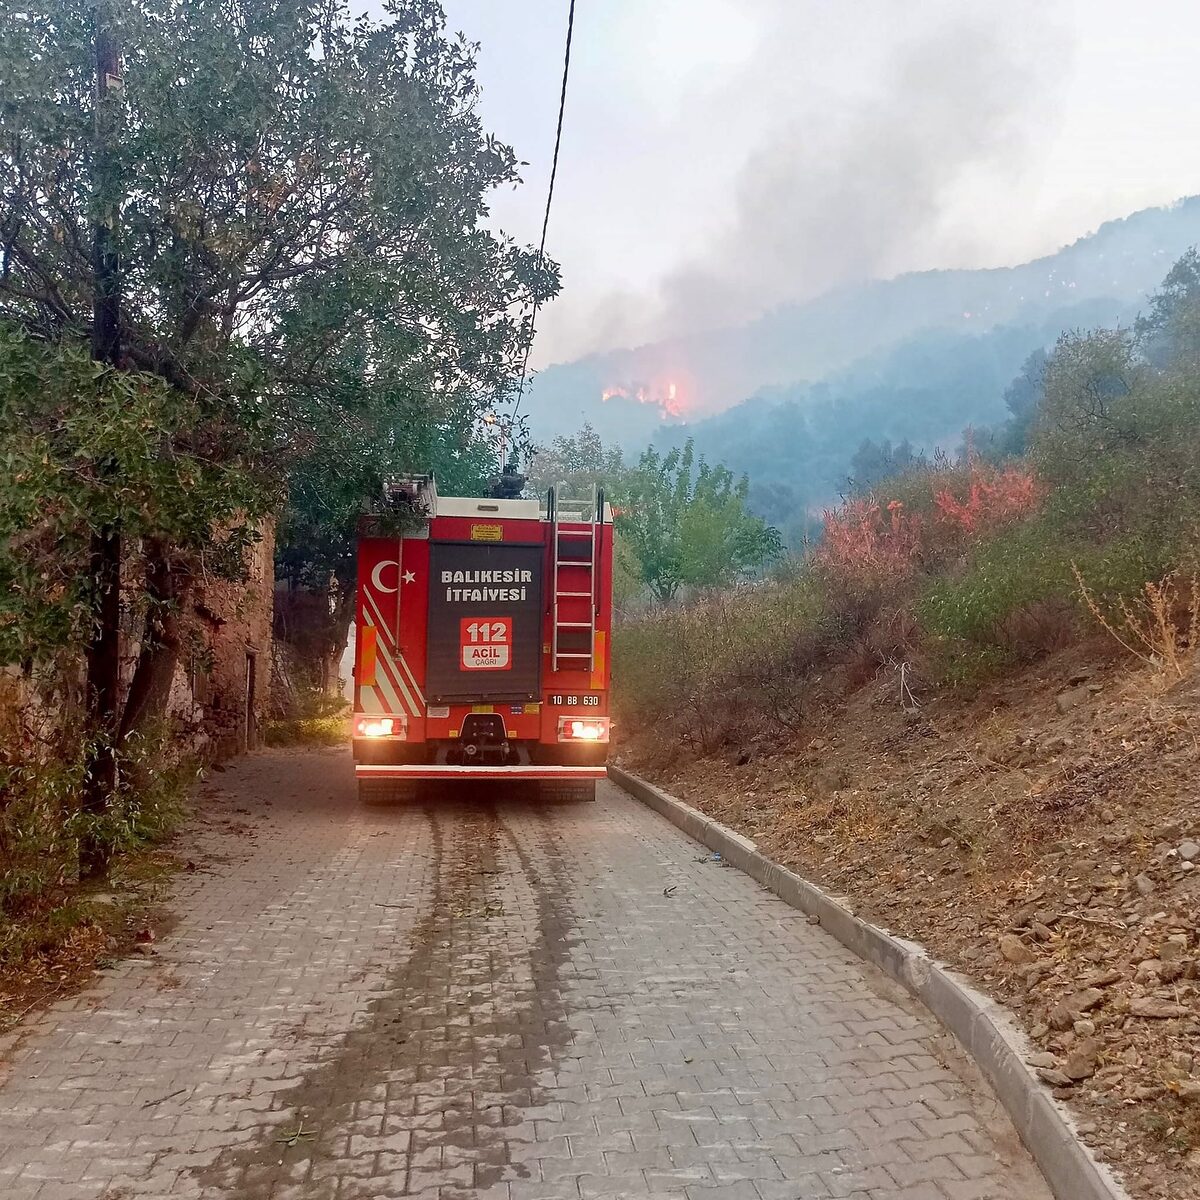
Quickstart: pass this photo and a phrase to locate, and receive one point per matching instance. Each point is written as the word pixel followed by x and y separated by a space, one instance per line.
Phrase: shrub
pixel 308 731
pixel 993 499
pixel 1029 569
pixel 1161 627
pixel 704 669
pixel 869 542
pixel 41 826
pixel 877 540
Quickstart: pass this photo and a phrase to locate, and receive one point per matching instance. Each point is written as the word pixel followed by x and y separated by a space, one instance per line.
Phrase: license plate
pixel 576 700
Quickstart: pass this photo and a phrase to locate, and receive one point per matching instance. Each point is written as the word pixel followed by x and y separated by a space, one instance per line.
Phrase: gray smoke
pixel 866 122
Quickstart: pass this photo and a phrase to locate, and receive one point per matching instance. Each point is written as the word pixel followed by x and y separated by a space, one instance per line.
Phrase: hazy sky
pixel 722 156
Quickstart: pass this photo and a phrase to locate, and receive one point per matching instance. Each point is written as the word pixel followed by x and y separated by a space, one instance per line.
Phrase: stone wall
pixel 225 681
pixel 219 696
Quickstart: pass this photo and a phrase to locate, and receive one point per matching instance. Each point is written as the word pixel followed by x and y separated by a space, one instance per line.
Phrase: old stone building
pixel 224 678
pixel 219 697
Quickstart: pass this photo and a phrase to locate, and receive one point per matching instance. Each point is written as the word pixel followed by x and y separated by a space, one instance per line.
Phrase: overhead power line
pixel 562 104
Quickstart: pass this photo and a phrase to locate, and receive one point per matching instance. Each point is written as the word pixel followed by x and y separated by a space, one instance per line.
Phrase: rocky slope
pixel 1044 838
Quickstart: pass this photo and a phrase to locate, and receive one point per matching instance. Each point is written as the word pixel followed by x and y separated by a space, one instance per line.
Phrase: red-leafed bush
pixel 993 498
pixel 867 539
pixel 876 540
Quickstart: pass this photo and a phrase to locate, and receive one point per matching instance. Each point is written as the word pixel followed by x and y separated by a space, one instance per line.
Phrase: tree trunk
pixel 340 621
pixel 167 587
pixel 104 646
pixel 101 693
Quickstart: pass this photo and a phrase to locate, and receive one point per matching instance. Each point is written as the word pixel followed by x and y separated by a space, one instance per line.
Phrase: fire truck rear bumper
pixel 434 771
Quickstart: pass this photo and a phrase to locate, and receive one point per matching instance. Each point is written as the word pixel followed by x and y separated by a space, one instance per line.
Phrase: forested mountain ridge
pixel 797 443
pixel 1120 263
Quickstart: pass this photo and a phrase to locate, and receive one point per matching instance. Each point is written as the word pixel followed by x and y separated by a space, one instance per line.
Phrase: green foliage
pixel 687 524
pixel 576 464
pixel 83 446
pixel 1025 566
pixel 41 827
pixel 301 232
pixel 38 849
pixel 293 179
pixel 308 731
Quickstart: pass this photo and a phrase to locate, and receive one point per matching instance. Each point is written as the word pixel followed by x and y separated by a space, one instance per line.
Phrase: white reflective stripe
pixel 403 674
pixel 411 678
pixel 391 700
pixel 374 611
pixel 368 701
pixel 382 683
pixel 384 647
pixel 412 709
pixel 384 651
pixel 383 680
pixel 449 772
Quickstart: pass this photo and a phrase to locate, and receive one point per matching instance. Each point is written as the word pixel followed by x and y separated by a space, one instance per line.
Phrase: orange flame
pixel 667 399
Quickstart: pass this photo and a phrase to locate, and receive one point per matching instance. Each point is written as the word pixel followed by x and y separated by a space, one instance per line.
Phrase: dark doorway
pixel 251 725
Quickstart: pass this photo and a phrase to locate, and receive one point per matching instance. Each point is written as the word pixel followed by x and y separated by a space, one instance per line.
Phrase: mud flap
pixel 568 792
pixel 388 791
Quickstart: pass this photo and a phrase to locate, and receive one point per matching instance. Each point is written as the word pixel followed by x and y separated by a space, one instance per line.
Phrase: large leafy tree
pixel 295 200
pixel 687 523
pixel 329 490
pixel 576 464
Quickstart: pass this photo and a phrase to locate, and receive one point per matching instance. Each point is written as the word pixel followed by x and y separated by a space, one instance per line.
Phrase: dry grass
pixel 851 817
pixel 1161 628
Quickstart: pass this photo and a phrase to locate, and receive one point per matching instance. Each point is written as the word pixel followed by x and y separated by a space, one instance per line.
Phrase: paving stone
pixel 488 997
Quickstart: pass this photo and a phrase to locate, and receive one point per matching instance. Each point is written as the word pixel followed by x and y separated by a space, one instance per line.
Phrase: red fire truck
pixel 483 634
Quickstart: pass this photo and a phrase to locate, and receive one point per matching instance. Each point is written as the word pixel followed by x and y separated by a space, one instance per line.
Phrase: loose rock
pixel 1064 1015
pixel 1081 1062
pixel 1157 1010
pixel 1148 971
pixel 1015 950
pixel 1054 1077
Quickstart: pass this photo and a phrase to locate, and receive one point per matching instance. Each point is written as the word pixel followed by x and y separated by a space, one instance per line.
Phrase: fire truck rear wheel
pixel 569 793
pixel 388 791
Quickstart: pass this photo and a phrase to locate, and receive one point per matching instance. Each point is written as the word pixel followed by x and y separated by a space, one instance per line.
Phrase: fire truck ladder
pixel 576 583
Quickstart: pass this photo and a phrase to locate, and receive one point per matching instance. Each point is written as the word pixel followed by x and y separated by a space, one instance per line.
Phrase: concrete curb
pixel 984 1028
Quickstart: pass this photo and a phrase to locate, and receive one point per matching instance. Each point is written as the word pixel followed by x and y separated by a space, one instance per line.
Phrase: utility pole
pixel 104 567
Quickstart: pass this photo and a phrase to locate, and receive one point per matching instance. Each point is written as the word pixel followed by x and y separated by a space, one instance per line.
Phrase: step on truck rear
pixel 483 630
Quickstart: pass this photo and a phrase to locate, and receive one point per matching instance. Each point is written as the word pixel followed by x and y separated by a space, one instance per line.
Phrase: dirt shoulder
pixel 1043 837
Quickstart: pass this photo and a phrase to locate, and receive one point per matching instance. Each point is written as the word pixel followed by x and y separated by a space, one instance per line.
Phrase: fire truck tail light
pixel 375 727
pixel 583 729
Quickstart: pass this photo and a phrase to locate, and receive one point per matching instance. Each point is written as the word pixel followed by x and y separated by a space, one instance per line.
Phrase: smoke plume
pixel 870 131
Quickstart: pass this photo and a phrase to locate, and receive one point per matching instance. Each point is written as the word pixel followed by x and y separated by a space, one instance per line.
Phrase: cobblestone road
pixel 486 999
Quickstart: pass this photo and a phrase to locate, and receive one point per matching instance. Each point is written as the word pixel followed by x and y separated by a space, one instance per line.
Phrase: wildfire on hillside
pixel 664 396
